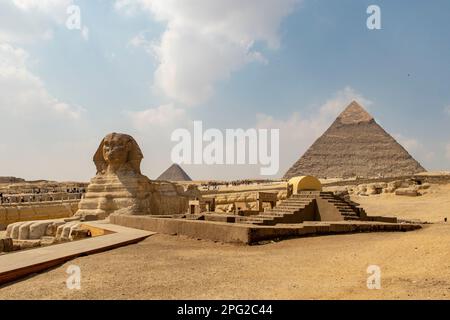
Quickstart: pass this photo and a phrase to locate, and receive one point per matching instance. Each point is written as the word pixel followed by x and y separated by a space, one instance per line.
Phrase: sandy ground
pixel 433 206
pixel 414 265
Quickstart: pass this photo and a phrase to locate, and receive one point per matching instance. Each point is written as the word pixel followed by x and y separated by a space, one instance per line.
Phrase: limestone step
pixel 298 196
pixel 279 209
pixel 272 217
pixel 252 218
pixel 349 214
pixel 275 213
pixel 327 195
pixel 351 218
pixel 344 205
pixel 347 209
pixel 256 222
pixel 257 218
pixel 291 206
pixel 299 201
pixel 333 200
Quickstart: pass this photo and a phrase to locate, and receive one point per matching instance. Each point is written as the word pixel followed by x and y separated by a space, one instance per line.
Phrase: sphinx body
pixel 120 188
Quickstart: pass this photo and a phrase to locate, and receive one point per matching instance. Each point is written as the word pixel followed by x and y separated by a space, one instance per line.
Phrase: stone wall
pixel 10 213
pixel 43 197
pixel 225 201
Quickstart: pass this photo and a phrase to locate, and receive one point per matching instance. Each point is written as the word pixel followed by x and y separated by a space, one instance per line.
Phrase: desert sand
pixel 414 265
pixel 433 206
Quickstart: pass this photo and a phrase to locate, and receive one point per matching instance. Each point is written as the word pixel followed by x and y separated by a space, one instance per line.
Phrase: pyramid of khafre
pixel 174 173
pixel 355 145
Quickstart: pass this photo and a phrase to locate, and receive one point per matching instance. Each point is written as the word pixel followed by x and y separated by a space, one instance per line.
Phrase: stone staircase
pixel 302 207
pixel 348 209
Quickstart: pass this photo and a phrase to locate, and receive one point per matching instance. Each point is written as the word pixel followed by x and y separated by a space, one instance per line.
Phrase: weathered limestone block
pixel 409 192
pixel 47 241
pixel 375 188
pixel 36 211
pixel 26 244
pixel 79 233
pixel 282 195
pixel 371 190
pixel 6 245
pixel 38 229
pixel 63 232
pixel 120 188
pixel 405 184
pixel 361 189
pixel 32 230
pixel 30 233
pixel 52 227
pixel 24 230
pixel 9 230
pixel 424 186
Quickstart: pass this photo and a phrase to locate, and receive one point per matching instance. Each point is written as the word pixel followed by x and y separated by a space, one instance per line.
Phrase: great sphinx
pixel 119 187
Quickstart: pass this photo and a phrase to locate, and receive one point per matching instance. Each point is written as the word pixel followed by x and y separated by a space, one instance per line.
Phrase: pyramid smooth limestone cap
pixel 354 113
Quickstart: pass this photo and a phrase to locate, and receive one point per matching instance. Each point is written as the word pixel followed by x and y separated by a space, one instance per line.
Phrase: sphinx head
pixel 116 152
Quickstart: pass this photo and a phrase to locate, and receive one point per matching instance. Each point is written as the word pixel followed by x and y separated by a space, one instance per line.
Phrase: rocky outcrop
pixel 397 187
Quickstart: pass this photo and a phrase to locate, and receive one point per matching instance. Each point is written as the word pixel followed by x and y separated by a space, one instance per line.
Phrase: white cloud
pixel 41 5
pixel 447 110
pixel 23 93
pixel 410 144
pixel 298 132
pixel 161 116
pixel 24 21
pixel 314 125
pixel 141 41
pixel 206 41
pixel 417 149
pixel 153 129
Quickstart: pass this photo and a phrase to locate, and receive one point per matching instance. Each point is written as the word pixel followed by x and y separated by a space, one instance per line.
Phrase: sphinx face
pixel 115 150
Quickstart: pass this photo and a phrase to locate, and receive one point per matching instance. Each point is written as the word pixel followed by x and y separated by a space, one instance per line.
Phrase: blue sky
pixel 146 67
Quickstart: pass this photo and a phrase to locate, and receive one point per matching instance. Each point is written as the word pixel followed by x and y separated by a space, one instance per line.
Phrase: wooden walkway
pixel 19 264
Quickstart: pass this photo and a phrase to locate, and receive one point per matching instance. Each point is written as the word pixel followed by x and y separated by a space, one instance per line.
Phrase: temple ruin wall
pixel 10 213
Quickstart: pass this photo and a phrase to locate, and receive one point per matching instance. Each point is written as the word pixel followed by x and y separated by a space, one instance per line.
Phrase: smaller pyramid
pixel 174 173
